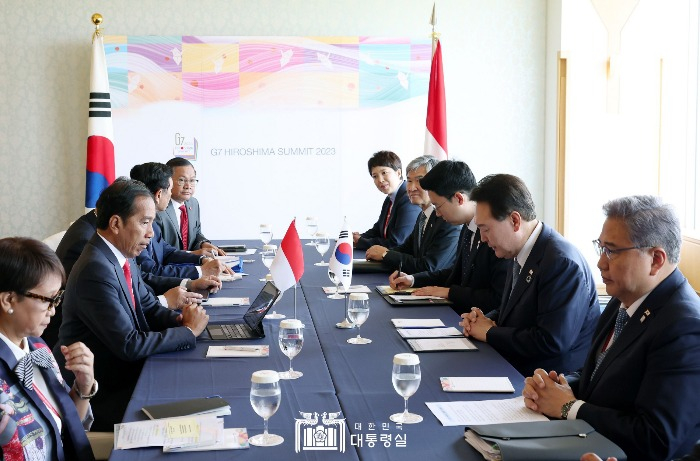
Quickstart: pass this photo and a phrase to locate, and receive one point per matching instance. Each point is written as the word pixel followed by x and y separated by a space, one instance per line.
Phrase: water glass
pixel 267 255
pixel 265 398
pixel 405 376
pixel 265 233
pixel 311 228
pixel 335 280
pixel 322 245
pixel 358 311
pixel 291 339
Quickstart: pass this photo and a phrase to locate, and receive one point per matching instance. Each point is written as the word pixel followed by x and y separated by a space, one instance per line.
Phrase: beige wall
pixel 690 260
pixel 493 54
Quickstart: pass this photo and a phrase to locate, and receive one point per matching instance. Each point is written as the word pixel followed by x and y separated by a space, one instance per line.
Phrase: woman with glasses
pixel 41 417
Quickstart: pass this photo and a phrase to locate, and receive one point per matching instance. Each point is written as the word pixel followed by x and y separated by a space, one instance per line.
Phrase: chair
pixel 53 240
pixel 101 443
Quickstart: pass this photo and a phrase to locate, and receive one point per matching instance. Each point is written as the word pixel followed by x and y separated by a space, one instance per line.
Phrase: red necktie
pixel 388 215
pixel 127 275
pixel 184 227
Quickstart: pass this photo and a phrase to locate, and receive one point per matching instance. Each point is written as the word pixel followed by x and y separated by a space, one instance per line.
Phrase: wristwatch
pixel 92 393
pixel 566 408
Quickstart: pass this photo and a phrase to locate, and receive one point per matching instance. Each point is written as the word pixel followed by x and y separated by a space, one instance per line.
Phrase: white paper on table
pixel 428 332
pixel 351 289
pixel 238 351
pixel 417 323
pixel 232 439
pixel 412 298
pixel 229 278
pixel 476 384
pixel 153 433
pixel 220 301
pixel 248 251
pixel 387 290
pixel 484 412
pixel 441 344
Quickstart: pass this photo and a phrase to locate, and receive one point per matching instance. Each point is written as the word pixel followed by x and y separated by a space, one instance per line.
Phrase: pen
pixel 400 264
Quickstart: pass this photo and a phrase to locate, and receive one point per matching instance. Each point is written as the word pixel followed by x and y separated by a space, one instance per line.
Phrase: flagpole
pixel 96 20
pixel 435 36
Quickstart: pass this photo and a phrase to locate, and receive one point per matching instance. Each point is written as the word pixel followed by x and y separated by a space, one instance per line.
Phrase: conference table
pixel 352 381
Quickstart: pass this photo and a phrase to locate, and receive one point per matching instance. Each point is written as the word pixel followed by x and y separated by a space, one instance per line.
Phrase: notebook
pixel 250 326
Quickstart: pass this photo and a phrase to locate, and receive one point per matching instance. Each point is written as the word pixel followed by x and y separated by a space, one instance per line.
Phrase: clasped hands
pixel 546 393
pixel 475 324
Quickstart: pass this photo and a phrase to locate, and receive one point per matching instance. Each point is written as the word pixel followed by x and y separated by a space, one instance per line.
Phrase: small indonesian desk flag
pixel 341 259
pixel 436 119
pixel 288 265
pixel 100 150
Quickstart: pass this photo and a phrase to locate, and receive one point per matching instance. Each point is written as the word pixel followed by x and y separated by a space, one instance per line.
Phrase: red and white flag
pixel 288 265
pixel 436 120
pixel 100 149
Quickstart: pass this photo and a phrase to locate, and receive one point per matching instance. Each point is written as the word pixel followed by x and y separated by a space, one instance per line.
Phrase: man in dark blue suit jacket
pixel 119 319
pixel 550 305
pixel 432 244
pixel 477 276
pixel 639 384
pixel 398 215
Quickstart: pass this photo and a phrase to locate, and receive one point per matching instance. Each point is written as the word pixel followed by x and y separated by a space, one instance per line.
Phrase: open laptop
pixel 251 325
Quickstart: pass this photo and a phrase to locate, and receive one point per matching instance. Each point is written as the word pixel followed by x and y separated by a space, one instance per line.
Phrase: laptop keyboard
pixel 236 330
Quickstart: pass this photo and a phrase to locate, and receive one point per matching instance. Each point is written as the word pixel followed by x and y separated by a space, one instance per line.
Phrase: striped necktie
pixel 421 228
pixel 620 322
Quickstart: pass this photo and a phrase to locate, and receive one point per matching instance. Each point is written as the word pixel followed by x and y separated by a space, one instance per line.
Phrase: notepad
pixel 351 289
pixel 387 290
pixel 414 299
pixel 202 406
pixel 476 384
pixel 238 351
pixel 231 439
pixel 441 344
pixel 221 302
pixel 417 323
pixel 428 332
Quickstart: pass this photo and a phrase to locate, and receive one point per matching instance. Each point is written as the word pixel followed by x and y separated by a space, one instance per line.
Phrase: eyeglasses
pixel 601 249
pixel 53 302
pixel 192 182
pixel 438 207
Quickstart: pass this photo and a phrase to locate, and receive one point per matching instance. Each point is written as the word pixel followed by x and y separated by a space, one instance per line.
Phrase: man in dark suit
pixel 550 305
pixel 161 258
pixel 640 381
pixel 432 244
pixel 180 221
pixel 107 306
pixel 398 215
pixel 477 277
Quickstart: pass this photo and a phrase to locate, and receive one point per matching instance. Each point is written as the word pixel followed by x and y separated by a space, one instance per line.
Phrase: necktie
pixel 25 368
pixel 127 275
pixel 516 274
pixel 620 323
pixel 421 228
pixel 388 215
pixel 184 227
pixel 466 251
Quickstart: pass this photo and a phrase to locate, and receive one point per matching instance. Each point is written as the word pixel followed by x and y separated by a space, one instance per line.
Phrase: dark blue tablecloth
pixel 354 379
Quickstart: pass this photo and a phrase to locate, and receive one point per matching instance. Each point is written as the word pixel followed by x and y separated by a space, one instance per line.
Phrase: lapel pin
pixel 644 316
pixel 528 279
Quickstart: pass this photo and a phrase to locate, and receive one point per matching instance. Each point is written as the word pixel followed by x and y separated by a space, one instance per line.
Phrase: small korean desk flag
pixel 341 259
pixel 288 265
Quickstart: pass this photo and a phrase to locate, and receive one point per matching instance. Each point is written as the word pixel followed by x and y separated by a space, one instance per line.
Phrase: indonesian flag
pixel 100 150
pixel 341 259
pixel 436 120
pixel 288 265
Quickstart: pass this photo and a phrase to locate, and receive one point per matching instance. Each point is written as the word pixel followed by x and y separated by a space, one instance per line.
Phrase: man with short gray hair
pixel 639 383
pixel 433 243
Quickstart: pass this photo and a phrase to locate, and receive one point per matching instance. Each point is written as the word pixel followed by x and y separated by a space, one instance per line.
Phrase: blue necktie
pixel 25 367
pixel 620 323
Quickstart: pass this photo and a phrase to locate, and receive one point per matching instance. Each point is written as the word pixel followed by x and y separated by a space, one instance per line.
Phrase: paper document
pixel 441 344
pixel 417 323
pixel 476 384
pixel 351 289
pixel 221 301
pixel 429 332
pixel 231 439
pixel 484 412
pixel 229 278
pixel 191 430
pixel 248 251
pixel 238 351
pixel 412 298
pixel 387 290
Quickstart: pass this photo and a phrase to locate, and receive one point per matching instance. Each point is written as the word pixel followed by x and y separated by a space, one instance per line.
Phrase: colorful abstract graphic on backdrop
pixel 299 72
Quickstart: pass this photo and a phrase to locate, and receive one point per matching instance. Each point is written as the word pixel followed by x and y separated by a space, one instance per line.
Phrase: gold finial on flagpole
pixel 97 21
pixel 434 35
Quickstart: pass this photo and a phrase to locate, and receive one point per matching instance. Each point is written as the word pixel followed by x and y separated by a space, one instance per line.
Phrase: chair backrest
pixel 53 240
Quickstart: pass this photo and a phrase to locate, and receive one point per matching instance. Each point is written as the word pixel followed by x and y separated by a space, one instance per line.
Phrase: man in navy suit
pixel 550 305
pixel 180 221
pixel 433 242
pixel 477 277
pixel 639 384
pixel 107 306
pixel 161 258
pixel 398 215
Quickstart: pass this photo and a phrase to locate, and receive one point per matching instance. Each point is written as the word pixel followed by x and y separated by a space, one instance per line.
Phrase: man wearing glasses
pixel 639 383
pixel 180 221
pixel 550 305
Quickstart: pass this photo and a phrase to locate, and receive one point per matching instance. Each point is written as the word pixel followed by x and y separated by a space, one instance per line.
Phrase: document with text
pixel 484 412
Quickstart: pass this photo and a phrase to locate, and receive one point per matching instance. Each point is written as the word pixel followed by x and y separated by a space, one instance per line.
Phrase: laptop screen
pixel 262 303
